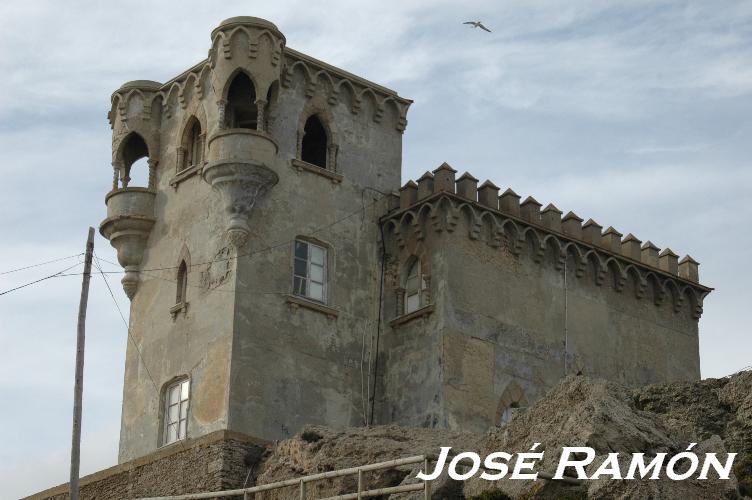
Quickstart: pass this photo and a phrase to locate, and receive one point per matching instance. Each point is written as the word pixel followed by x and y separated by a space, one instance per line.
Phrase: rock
pixel 715 413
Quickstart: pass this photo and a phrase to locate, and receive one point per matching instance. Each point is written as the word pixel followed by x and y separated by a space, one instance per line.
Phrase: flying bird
pixel 477 24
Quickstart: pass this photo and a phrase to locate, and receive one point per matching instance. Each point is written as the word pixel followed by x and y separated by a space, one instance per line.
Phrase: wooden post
pixel 360 483
pixel 302 490
pixel 79 383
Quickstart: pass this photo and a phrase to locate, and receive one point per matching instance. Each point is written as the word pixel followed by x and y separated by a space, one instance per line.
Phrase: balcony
pixel 130 218
pixel 239 168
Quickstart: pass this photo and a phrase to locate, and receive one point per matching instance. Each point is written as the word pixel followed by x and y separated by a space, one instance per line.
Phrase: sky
pixel 636 114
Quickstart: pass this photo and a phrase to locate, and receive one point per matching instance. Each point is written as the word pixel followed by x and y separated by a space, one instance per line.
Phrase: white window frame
pixel 176 419
pixel 304 278
pixel 414 286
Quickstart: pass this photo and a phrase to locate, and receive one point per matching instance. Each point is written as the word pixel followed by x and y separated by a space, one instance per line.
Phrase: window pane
pixel 174 394
pixel 172 414
pixel 184 410
pixel 317 291
pixel 300 267
pixel 317 273
pixel 183 423
pixel 301 250
pixel 414 269
pixel 184 390
pixel 413 303
pixel 412 284
pixel 299 286
pixel 172 433
pixel 317 255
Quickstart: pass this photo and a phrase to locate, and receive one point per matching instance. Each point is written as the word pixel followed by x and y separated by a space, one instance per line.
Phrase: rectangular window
pixel 309 271
pixel 176 411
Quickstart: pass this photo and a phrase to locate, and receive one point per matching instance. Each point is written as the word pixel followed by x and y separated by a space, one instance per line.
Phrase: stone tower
pixel 262 161
pixel 279 275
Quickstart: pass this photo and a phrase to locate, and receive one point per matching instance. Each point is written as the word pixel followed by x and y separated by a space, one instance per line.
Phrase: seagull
pixel 477 24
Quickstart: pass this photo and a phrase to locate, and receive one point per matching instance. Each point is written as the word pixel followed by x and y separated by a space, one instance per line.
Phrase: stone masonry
pixel 278 271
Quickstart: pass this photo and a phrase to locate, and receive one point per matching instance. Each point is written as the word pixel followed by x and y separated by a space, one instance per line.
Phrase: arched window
pixel 512 401
pixel 194 150
pixel 508 413
pixel 135 152
pixel 241 111
pixel 182 283
pixel 175 411
pixel 414 286
pixel 315 142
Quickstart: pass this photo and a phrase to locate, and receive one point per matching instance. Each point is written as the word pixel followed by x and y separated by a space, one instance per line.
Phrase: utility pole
pixel 78 387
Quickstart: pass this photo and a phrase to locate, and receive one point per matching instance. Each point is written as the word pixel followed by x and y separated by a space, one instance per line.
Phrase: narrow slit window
pixel 182 283
pixel 414 285
pixel 194 151
pixel 176 411
pixel 309 271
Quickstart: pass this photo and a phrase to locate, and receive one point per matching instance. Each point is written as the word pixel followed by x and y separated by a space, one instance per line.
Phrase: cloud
pixel 635 114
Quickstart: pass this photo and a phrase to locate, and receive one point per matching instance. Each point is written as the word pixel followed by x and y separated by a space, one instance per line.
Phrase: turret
pixel 246 64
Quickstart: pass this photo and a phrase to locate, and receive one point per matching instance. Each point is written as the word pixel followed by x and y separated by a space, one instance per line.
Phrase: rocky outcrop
pixel 715 413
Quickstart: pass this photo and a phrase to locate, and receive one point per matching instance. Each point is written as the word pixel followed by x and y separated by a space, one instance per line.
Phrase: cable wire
pixel 40 264
pixel 130 336
pixel 58 274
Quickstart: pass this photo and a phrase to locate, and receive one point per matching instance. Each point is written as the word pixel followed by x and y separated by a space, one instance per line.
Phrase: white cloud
pixel 634 114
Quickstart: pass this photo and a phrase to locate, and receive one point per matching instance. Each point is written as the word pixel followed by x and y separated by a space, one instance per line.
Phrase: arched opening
pixel 241 109
pixel 508 413
pixel 414 286
pixel 182 283
pixel 134 152
pixel 315 142
pixel 194 146
pixel 512 401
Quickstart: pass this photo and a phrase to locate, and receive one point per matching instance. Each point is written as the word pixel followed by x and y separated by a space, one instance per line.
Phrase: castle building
pixel 279 275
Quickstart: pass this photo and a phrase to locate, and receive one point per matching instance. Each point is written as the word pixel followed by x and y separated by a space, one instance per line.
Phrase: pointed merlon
pixel 443 178
pixel 467 186
pixel 630 247
pixel 488 195
pixel 591 232
pixel 649 254
pixel 425 185
pixel 668 261
pixel 408 195
pixel 551 217
pixel 530 210
pixel 571 224
pixel 509 202
pixel 611 240
pixel 689 269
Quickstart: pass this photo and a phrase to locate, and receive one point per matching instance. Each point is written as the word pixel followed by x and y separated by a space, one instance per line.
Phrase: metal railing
pixel 302 483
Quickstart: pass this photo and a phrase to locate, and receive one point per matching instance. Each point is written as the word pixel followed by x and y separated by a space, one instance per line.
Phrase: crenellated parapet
pixel 439 201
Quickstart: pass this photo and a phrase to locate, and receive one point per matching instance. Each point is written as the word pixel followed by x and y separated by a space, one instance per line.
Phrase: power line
pixel 56 275
pixel 263 250
pixel 40 264
pixel 130 336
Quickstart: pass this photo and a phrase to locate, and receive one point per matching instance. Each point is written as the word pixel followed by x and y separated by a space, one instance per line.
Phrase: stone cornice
pixel 318 75
pixel 442 210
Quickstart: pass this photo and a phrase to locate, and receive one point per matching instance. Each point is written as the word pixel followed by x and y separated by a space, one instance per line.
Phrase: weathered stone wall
pixel 293 364
pixel 257 362
pixel 213 462
pixel 496 332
